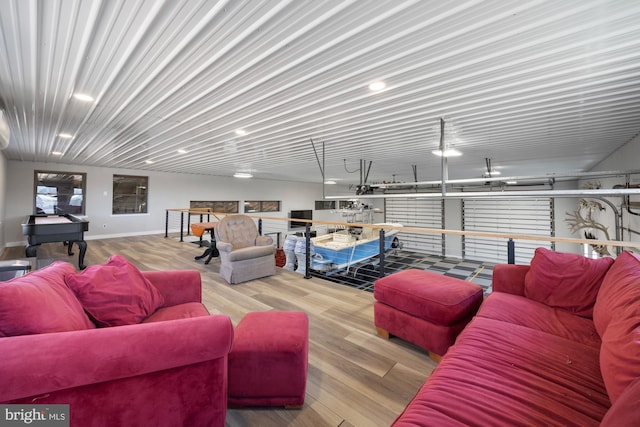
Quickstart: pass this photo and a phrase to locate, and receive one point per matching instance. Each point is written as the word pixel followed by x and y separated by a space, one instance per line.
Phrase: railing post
pixel 166 223
pixel 307 258
pixel 181 225
pixel 381 266
pixel 511 252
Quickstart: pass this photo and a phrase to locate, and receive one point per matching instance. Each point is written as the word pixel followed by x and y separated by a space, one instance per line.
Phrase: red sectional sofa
pixel 557 343
pixel 119 346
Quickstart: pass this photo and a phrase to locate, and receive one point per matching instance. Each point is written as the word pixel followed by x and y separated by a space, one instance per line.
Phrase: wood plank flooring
pixel 355 378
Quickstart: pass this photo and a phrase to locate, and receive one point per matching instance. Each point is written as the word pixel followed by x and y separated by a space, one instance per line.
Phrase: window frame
pixel 141 182
pixel 68 207
pixel 262 206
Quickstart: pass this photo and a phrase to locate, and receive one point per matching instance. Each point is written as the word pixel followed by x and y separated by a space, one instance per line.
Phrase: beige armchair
pixel 244 254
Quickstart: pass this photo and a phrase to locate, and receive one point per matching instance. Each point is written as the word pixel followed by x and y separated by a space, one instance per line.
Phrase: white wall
pixel 166 191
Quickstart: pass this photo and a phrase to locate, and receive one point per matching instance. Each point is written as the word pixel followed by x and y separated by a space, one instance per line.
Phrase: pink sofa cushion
pixel 625 411
pixel 620 351
pixel 532 314
pixel 620 288
pixel 115 293
pixel 564 280
pixel 431 296
pixel 502 374
pixel 40 302
pixel 180 311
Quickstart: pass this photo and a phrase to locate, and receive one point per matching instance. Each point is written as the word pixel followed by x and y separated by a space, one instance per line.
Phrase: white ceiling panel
pixel 538 87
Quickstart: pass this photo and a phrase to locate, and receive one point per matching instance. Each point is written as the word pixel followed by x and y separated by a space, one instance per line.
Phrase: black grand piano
pixel 64 228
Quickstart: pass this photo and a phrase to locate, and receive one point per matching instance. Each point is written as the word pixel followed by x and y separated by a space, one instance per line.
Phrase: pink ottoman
pixel 268 360
pixel 424 308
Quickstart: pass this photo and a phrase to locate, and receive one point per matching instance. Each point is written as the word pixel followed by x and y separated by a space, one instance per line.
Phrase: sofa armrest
pixel 509 278
pixel 37 364
pixel 224 246
pixel 177 286
pixel 264 240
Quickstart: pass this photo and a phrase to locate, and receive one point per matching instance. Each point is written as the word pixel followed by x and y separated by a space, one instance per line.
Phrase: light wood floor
pixel 355 377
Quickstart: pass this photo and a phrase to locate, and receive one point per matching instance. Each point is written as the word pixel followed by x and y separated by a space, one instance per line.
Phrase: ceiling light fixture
pixel 377 86
pixel 182 151
pixel 149 162
pixel 83 97
pixel 242 175
pixel 449 152
pixel 330 182
pixel 241 132
pixel 56 153
pixel 65 135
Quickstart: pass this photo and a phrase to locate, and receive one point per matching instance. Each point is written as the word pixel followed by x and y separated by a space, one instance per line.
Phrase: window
pixel 215 206
pixel 262 206
pixel 59 192
pixel 130 194
pixel 323 205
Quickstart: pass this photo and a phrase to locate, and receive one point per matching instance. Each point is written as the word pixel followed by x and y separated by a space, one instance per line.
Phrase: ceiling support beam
pixel 444 166
pixel 320 165
pixel 504 194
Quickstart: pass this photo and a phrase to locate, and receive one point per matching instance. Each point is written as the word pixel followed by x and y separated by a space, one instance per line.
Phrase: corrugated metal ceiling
pixel 536 86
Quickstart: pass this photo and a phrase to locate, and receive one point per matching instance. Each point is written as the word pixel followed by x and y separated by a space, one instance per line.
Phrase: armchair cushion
pixel 240 230
pixel 251 252
pixel 115 293
pixel 40 302
pixel 565 280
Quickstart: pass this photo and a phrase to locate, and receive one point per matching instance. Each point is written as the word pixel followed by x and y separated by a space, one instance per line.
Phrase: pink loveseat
pixel 157 359
pixel 557 343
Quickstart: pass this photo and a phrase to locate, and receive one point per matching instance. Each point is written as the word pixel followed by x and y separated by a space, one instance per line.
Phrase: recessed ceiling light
pixel 377 86
pixel 149 162
pixel 56 153
pixel 182 151
pixel 241 132
pixel 330 182
pixel 65 135
pixel 242 175
pixel 449 152
pixel 83 97
pixel 512 182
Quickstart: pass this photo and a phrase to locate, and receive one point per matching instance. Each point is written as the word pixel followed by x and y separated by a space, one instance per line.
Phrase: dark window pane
pixel 59 192
pixel 130 194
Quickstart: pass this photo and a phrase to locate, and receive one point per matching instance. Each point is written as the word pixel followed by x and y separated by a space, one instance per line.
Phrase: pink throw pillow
pixel 40 302
pixel 620 288
pixel 115 293
pixel 564 280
